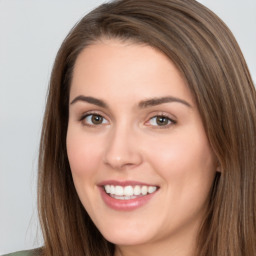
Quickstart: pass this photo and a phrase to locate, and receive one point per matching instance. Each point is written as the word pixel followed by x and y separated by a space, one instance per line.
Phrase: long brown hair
pixel 210 60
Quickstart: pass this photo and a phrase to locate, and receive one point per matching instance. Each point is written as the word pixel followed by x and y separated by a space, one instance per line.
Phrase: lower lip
pixel 125 205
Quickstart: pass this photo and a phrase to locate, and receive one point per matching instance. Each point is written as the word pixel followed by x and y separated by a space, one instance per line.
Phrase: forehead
pixel 121 69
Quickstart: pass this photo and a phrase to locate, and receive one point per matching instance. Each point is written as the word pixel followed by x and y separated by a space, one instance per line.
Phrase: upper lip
pixel 125 183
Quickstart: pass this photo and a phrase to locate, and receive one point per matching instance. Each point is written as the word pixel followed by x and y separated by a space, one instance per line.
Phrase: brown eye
pixel 161 121
pixel 94 119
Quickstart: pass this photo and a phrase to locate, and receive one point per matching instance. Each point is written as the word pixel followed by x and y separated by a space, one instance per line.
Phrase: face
pixel 140 159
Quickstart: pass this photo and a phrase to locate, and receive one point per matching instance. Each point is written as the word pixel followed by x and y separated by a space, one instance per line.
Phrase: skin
pixel 128 144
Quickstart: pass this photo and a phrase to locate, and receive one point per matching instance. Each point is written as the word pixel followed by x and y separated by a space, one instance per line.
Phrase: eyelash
pixel 161 115
pixel 84 116
pixel 170 121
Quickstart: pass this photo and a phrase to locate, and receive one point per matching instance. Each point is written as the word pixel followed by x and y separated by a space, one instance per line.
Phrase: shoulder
pixel 34 252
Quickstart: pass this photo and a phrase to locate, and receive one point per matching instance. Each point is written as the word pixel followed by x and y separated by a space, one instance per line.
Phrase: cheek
pixel 186 166
pixel 83 154
pixel 183 157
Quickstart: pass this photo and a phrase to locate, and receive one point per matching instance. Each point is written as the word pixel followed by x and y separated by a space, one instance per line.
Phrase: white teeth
pixel 107 188
pixel 123 197
pixel 151 189
pixel 112 189
pixel 136 190
pixel 144 190
pixel 129 192
pixel 119 191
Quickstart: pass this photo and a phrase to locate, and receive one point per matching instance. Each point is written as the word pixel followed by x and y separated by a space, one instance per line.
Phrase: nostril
pixel 128 160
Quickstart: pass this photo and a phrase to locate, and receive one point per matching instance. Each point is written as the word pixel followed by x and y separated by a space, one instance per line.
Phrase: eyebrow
pixel 142 104
pixel 162 100
pixel 90 100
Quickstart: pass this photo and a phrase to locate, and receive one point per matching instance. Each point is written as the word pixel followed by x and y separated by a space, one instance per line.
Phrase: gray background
pixel 30 35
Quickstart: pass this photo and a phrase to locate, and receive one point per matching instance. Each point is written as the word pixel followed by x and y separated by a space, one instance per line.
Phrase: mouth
pixel 128 192
pixel 126 196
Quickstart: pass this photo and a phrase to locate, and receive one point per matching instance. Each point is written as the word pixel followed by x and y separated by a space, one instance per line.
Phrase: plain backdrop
pixel 30 35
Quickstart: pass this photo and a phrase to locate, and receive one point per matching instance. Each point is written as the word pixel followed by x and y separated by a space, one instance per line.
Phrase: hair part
pixel 210 61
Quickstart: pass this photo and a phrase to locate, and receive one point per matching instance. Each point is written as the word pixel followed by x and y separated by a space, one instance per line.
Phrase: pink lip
pixel 124 205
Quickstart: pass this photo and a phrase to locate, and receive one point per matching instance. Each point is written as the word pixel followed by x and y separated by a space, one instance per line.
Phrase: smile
pixel 128 192
pixel 126 195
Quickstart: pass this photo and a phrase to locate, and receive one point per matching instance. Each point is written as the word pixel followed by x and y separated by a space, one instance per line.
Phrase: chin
pixel 126 241
pixel 126 236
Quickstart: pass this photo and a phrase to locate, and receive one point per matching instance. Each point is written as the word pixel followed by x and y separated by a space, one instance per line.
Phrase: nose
pixel 122 150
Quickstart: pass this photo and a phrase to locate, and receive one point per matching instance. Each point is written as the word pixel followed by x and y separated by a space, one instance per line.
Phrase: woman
pixel 148 142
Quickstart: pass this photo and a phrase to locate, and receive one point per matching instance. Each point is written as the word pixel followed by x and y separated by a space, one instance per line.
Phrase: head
pixel 210 63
